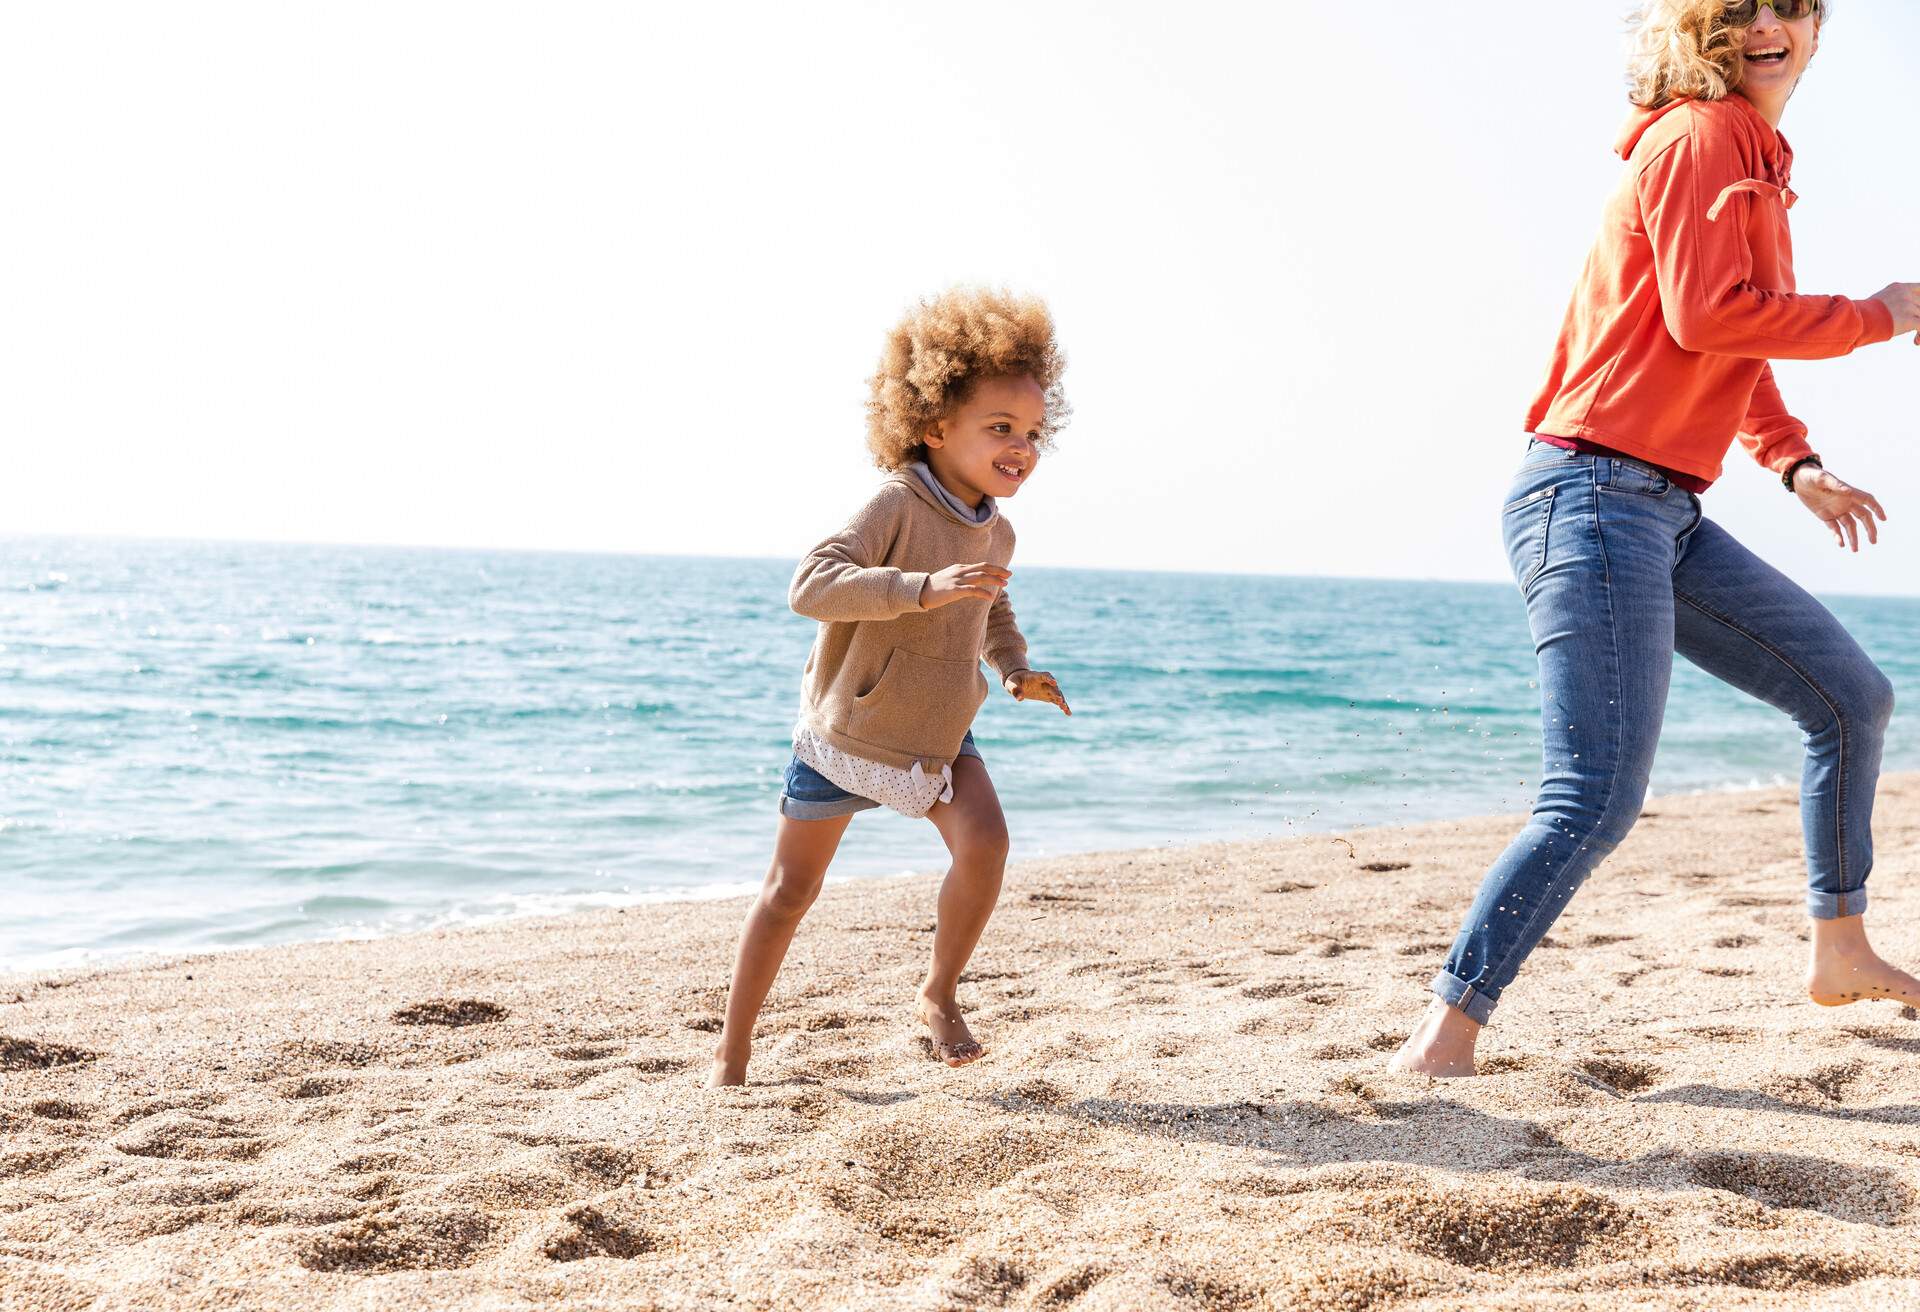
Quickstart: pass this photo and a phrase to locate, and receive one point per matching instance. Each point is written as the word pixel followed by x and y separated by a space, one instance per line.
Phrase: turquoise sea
pixel 214 745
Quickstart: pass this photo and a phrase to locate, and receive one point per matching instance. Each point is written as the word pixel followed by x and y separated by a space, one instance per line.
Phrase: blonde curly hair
pixel 941 349
pixel 1686 50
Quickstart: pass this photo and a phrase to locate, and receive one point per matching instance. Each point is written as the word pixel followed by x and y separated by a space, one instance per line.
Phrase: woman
pixel 1661 365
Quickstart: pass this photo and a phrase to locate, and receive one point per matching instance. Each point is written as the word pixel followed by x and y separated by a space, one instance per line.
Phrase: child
pixel 910 596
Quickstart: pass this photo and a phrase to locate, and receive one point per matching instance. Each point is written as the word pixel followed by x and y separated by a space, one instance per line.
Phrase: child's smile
pixel 989 444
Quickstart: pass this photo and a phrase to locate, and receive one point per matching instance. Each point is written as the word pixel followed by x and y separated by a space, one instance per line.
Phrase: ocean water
pixel 206 746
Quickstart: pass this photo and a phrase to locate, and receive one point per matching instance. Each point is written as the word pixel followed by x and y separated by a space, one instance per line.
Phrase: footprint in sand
pixel 314 1086
pixel 1280 988
pixel 587 1231
pixel 1205 1289
pixel 34 1161
pixel 452 1012
pixel 1063 1290
pixel 59 1109
pixel 1622 1075
pixel 1783 1180
pixel 585 1052
pixel 406 1239
pixel 1513 1229
pixel 39 1055
pixel 985 1281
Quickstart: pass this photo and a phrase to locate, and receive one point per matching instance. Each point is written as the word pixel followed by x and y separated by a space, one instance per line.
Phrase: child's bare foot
pixel 727 1069
pixel 1845 968
pixel 1442 1045
pixel 951 1037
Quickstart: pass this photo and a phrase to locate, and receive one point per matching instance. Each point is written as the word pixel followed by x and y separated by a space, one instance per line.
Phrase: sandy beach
pixel 1185 1104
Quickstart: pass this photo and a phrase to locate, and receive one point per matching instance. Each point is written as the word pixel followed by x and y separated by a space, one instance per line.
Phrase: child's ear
pixel 934 437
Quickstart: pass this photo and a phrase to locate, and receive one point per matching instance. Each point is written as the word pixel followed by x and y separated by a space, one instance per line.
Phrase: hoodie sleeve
pixel 1695 197
pixel 1771 435
pixel 1005 649
pixel 841 579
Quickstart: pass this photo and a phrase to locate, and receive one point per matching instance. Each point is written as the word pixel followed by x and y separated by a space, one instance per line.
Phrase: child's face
pixel 988 445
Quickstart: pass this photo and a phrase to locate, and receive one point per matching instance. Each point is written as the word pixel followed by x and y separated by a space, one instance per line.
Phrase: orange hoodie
pixel 1686 296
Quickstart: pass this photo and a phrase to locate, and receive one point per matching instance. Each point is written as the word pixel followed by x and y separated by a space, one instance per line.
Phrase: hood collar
pixel 1773 146
pixel 920 478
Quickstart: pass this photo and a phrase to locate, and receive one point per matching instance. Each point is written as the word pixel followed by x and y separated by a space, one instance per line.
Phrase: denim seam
pixel 1613 776
pixel 1840 785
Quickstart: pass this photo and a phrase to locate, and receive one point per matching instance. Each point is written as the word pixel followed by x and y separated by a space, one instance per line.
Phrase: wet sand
pixel 1185 1104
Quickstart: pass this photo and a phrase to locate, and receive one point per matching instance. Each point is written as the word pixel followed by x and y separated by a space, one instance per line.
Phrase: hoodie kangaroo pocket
pixel 922 705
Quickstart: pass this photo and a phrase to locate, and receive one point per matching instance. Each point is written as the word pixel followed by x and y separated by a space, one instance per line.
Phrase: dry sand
pixel 1185 1105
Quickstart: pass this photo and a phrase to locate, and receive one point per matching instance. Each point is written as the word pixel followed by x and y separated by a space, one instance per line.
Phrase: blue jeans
pixel 1620 571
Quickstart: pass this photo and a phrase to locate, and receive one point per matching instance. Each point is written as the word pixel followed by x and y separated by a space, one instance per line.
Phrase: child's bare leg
pixel 801 853
pixel 1845 968
pixel 1442 1045
pixel 976 836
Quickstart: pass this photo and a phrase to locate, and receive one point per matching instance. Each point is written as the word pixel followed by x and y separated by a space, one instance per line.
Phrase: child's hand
pixel 1037 685
pixel 963 583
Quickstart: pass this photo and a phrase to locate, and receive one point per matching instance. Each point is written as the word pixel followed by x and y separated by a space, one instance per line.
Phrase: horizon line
pixel 639 554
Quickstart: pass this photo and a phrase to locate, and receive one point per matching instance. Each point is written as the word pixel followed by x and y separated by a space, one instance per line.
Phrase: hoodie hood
pixel 1772 146
pixel 919 477
pixel 1639 122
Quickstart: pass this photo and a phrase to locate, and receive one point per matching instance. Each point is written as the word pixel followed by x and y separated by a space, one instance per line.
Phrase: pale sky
pixel 612 276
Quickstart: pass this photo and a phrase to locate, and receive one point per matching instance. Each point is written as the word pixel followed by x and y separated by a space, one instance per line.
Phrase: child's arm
pixel 1006 647
pixel 1006 652
pixel 836 582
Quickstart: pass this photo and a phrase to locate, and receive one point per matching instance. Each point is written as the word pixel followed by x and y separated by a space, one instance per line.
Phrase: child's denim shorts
pixel 807 794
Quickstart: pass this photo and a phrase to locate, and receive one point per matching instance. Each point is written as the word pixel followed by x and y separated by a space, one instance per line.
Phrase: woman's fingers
pixel 1865 517
pixel 1852 540
pixel 1871 500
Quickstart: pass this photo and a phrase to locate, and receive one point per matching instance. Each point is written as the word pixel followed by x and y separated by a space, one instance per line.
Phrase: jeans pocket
pixel 1636 479
pixel 1525 524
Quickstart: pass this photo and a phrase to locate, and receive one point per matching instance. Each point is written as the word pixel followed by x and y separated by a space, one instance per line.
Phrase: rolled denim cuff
pixel 1836 906
pixel 1459 994
pixel 795 809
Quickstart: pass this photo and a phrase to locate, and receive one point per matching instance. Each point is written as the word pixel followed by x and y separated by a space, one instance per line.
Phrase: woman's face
pixel 1775 52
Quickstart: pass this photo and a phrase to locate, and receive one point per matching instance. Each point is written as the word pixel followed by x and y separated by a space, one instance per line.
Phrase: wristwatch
pixel 1786 479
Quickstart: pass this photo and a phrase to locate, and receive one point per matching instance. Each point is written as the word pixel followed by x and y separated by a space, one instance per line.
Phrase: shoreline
pixel 152 957
pixel 1185 1102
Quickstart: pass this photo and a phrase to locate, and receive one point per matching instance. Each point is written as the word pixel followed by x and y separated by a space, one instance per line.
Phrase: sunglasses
pixel 1745 13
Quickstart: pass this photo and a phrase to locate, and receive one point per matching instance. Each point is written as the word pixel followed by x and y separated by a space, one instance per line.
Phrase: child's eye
pixel 1003 428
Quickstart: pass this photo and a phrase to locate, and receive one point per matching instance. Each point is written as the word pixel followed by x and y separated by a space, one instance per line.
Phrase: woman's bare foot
pixel 1442 1045
pixel 727 1069
pixel 1845 968
pixel 951 1037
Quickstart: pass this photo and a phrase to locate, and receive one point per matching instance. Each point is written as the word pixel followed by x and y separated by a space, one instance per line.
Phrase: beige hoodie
pixel 887 681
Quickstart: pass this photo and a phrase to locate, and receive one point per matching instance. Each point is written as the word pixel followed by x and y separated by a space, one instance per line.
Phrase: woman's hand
pixel 1903 298
pixel 1842 507
pixel 963 583
pixel 1036 685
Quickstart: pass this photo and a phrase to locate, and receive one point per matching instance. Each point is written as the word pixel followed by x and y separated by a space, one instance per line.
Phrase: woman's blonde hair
pixel 944 346
pixel 1685 50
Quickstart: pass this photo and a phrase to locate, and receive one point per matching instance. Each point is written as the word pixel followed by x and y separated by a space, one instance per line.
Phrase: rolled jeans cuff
pixel 1836 906
pixel 1459 994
